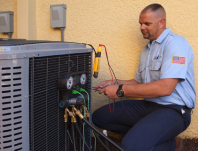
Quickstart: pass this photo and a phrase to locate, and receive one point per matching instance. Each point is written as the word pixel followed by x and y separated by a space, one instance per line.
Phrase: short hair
pixel 152 7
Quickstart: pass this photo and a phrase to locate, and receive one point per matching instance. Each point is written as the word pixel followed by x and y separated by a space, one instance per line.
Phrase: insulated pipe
pixel 101 142
pixel 79 123
pixel 82 136
pixel 65 120
pixel 80 140
pixel 73 136
pixel 96 130
pixel 66 136
pixel 80 144
pixel 106 142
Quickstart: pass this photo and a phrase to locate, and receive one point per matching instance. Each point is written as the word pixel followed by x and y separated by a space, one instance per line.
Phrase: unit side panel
pixel 14 104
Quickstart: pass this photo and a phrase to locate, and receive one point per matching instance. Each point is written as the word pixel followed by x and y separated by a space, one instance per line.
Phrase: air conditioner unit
pixel 30 117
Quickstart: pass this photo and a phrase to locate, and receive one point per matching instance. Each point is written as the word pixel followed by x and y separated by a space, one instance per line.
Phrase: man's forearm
pixel 154 89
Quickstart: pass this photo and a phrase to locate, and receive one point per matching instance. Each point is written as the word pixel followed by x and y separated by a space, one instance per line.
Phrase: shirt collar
pixel 161 37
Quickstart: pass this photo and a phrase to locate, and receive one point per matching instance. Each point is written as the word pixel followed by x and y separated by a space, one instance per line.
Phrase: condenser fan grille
pixel 46 118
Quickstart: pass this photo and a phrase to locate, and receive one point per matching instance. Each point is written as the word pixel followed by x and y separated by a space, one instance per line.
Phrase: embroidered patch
pixel 178 60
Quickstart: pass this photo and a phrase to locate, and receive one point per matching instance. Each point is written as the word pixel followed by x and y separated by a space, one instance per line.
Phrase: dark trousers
pixel 146 126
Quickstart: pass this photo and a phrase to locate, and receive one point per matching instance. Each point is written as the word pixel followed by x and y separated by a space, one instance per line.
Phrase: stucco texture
pixel 116 24
pixel 9 5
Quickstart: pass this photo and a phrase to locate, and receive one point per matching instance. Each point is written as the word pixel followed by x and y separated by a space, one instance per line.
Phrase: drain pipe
pixel 62 34
pixel 10 35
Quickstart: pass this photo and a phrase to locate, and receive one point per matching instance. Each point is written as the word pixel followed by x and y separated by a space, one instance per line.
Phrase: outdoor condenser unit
pixel 30 117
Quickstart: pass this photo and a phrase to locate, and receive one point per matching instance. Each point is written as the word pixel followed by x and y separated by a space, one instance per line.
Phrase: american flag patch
pixel 178 60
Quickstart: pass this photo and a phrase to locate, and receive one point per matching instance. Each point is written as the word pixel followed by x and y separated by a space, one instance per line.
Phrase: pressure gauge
pixel 83 79
pixel 70 82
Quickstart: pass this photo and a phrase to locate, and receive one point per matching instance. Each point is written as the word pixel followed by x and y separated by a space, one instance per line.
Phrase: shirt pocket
pixel 156 65
pixel 155 68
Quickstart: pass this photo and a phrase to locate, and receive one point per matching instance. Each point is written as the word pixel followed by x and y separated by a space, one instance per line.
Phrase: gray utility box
pixel 6 21
pixel 58 16
pixel 30 117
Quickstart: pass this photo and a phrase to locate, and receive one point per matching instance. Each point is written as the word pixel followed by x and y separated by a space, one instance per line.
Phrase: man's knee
pixel 96 118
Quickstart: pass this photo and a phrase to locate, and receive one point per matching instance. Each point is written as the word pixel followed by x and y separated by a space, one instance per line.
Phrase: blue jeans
pixel 146 126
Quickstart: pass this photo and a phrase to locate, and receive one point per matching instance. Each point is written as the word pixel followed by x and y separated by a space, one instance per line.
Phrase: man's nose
pixel 142 27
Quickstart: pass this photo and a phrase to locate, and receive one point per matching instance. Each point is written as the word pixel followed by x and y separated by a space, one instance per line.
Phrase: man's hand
pixel 110 91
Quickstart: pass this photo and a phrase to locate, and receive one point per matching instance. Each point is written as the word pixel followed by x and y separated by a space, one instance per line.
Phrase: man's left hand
pixel 110 91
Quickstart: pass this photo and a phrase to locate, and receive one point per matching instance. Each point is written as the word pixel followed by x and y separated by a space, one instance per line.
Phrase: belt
pixel 190 109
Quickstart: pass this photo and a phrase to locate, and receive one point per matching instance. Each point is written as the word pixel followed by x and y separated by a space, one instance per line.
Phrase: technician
pixel 165 78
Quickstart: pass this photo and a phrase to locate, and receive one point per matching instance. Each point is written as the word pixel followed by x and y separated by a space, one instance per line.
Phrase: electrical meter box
pixel 6 21
pixel 58 15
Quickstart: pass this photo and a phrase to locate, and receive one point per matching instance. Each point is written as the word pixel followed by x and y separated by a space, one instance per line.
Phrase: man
pixel 165 78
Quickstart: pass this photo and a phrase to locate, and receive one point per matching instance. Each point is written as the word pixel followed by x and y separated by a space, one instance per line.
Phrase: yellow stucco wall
pixel 116 24
pixel 9 5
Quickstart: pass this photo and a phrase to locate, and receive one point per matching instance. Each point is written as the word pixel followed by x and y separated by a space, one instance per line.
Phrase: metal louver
pixel 11 125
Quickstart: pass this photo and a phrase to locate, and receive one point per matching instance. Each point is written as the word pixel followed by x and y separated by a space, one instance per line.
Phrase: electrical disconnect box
pixel 58 15
pixel 6 21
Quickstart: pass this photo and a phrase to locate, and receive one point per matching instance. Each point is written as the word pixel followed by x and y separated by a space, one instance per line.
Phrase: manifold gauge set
pixel 72 80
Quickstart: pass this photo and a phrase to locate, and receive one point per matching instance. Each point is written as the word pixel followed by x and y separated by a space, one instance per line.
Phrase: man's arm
pixel 163 87
pixel 155 89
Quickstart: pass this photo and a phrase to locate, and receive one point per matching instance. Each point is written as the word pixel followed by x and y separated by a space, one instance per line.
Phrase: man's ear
pixel 162 23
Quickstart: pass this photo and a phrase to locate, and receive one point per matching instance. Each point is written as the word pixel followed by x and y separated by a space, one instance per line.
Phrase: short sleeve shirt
pixel 170 56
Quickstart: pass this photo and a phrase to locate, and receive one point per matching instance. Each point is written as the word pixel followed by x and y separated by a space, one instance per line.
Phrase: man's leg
pixel 156 131
pixel 126 114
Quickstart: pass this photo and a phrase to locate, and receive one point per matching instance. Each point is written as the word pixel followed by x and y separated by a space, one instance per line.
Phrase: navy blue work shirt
pixel 170 56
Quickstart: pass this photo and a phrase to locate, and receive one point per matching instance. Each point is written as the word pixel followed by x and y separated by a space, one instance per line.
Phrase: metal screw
pixel 24 56
pixel 34 55
pixel 26 97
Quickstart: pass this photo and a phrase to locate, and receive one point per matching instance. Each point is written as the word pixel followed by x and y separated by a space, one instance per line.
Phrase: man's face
pixel 149 25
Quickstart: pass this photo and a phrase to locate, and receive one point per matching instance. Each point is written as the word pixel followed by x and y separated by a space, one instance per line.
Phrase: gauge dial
pixel 83 79
pixel 70 82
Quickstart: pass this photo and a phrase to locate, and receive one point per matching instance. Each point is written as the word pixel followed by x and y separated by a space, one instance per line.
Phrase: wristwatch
pixel 120 92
